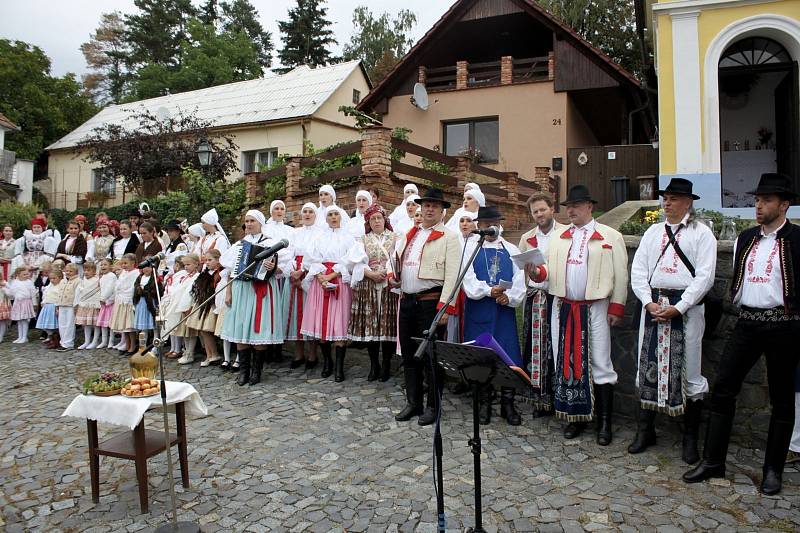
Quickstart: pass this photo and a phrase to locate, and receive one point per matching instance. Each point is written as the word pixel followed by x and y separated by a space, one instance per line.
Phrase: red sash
pixel 572 340
pixel 262 288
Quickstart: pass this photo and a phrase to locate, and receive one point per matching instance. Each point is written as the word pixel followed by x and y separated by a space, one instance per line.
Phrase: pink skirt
pixel 327 313
pixel 86 316
pixel 22 310
pixel 104 316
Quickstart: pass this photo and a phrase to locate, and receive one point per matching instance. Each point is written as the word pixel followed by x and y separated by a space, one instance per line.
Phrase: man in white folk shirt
pixel 537 355
pixel 766 270
pixel 587 267
pixel 673 269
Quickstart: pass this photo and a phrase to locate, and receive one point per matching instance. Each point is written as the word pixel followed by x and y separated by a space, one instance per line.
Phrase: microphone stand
pixel 427 344
pixel 159 340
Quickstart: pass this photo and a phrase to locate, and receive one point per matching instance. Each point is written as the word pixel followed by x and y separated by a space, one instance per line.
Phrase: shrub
pixel 18 215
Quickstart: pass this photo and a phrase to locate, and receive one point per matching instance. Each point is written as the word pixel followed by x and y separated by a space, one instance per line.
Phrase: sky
pixel 60 26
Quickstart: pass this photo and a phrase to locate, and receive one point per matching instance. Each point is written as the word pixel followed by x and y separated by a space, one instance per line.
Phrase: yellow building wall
pixel 343 96
pixel 710 23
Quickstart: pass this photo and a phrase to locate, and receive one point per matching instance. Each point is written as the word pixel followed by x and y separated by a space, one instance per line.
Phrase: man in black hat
pixel 587 267
pixel 672 271
pixel 175 248
pixel 495 286
pixel 766 271
pixel 428 265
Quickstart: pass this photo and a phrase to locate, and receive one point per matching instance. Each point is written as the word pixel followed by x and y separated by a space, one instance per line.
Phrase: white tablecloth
pixel 125 411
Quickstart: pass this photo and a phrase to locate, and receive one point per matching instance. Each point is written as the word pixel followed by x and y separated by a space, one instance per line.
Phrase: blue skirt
pixel 47 317
pixel 253 319
pixel 143 320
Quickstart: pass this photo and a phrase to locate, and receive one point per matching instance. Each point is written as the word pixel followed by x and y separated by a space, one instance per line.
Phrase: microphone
pixel 491 231
pixel 152 260
pixel 281 244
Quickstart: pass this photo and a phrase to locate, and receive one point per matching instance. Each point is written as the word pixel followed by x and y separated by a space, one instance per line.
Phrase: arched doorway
pixel 758 116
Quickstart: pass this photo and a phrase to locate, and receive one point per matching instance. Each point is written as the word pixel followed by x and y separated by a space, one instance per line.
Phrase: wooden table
pixel 138 446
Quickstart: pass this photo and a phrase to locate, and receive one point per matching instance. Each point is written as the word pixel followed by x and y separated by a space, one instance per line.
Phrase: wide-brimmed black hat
pixel 490 212
pixel 173 224
pixel 774 183
pixel 578 193
pixel 679 186
pixel 433 195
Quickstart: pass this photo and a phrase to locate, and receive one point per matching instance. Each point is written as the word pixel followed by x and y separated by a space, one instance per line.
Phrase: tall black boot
pixel 413 392
pixel 386 365
pixel 244 367
pixel 718 435
pixel 780 434
pixel 645 431
pixel 485 406
pixel 606 395
pixel 691 431
pixel 507 408
pixel 277 353
pixel 256 366
pixel 429 416
pixel 339 370
pixel 327 361
pixel 373 350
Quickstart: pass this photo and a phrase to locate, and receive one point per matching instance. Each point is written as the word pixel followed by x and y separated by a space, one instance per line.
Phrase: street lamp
pixel 654 140
pixel 204 153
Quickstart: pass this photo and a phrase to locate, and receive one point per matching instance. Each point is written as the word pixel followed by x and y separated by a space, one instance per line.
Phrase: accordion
pixel 247 253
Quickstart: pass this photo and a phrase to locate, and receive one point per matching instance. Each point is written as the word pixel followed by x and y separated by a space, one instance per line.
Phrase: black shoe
pixel 310 365
pixel 485 406
pixel 507 408
pixel 234 367
pixel 704 471
pixel 645 431
pixel 428 417
pixel 409 412
pixel 574 429
pixel 255 370
pixel 771 482
pixel 374 365
pixel 339 365
pixel 225 366
pixel 605 395
pixel 297 363
pixel 61 349
pixel 327 360
pixel 244 367
pixel 691 430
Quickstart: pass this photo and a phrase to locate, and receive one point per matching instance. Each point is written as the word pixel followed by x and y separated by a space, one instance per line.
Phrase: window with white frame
pixel 103 181
pixel 254 160
pixel 475 138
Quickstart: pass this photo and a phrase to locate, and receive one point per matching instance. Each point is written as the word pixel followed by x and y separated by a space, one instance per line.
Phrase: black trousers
pixel 744 348
pixel 415 317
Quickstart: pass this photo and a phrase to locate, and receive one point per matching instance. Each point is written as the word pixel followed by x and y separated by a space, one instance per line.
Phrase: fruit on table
pixel 139 387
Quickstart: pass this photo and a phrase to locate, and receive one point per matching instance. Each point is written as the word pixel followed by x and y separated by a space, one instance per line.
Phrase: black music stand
pixel 478 367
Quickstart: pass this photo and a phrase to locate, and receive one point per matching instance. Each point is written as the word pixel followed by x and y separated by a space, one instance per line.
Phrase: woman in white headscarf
pixel 213 235
pixel 327 314
pixel 327 198
pixel 468 242
pixel 473 200
pixel 194 233
pixel 255 318
pixel 302 239
pixel 276 226
pixel 397 218
pixel 356 224
pixel 406 222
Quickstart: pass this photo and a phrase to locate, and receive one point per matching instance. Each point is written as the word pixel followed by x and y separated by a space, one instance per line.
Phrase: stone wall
pixel 752 414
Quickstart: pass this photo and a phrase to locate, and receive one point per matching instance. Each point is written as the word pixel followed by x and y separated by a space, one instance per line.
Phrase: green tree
pixel 156 32
pixel 105 55
pixel 306 35
pixel 379 41
pixel 239 16
pixel 212 58
pixel 610 25
pixel 45 107
pixel 208 13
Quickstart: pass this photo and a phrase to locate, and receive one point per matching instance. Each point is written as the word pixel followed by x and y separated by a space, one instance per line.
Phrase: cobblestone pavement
pixel 297 453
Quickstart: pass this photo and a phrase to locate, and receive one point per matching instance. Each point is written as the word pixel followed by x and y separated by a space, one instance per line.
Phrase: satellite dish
pixel 420 97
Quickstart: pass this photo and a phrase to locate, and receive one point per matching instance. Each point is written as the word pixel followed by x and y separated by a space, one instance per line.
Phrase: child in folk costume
pixel 123 317
pixel 204 320
pixel 66 307
pixel 145 299
pixel 373 316
pixel 88 298
pixel 302 239
pixel 327 313
pixel 220 308
pixel 108 283
pixel 490 306
pixel 73 248
pixel 172 283
pixel 48 317
pixel 275 228
pixel 149 245
pixel 23 293
pixel 180 303
pixel 103 240
pixel 255 318
pixel 126 243
pixel 35 246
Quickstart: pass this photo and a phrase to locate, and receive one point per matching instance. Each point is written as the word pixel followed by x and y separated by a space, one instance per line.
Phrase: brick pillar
pixel 551 65
pixel 422 77
pixel 512 182
pixel 251 188
pixel 506 70
pixel 461 172
pixel 462 74
pixel 293 177
pixel 376 152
